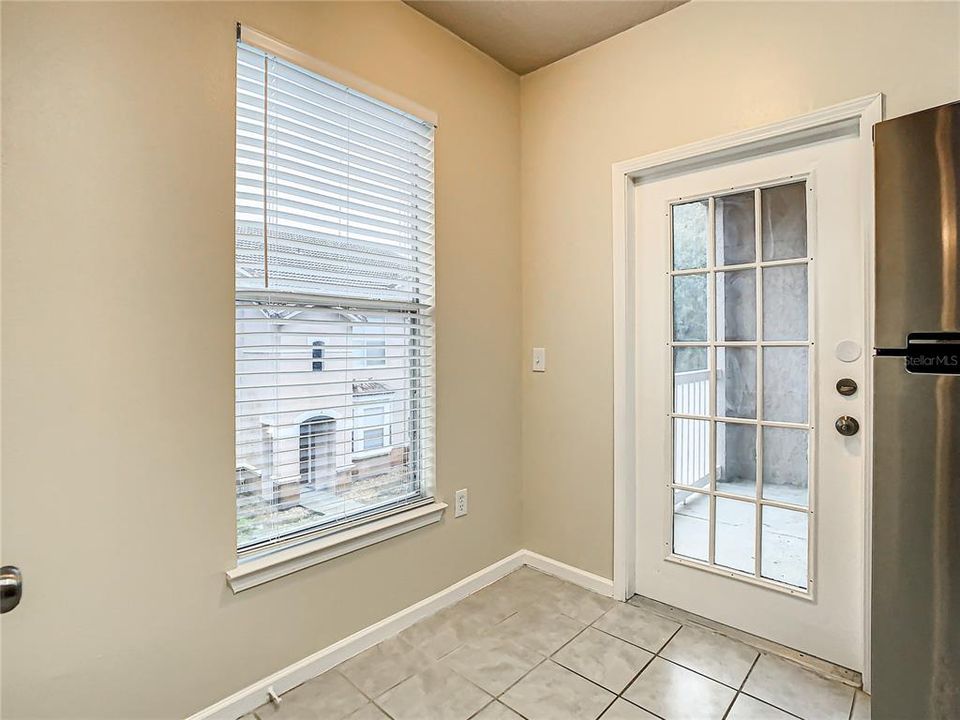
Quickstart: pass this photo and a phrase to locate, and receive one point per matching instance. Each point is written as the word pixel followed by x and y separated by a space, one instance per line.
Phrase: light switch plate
pixel 539 360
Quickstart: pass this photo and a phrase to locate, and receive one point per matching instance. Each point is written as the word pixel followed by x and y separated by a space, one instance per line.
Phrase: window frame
pixel 363 410
pixel 286 554
pixel 711 269
pixel 370 343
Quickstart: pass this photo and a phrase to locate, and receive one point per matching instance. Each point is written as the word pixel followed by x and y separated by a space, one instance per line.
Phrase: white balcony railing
pixel 691 440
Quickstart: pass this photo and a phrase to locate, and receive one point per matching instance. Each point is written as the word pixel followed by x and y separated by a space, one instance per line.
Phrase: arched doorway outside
pixel 318 438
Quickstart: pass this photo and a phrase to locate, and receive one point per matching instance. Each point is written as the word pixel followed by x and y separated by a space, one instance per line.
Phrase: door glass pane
pixel 691 524
pixel 690 308
pixel 737 459
pixel 735 229
pixel 742 329
pixel 783 212
pixel 783 546
pixel 785 384
pixel 736 534
pixel 691 381
pixel 737 382
pixel 690 235
pixel 737 305
pixel 691 452
pixel 785 302
pixel 786 462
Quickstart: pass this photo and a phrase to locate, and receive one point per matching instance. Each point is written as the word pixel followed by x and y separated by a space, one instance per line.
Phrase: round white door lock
pixel 848 351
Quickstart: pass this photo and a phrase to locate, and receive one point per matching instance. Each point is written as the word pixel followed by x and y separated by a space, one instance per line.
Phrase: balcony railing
pixel 691 441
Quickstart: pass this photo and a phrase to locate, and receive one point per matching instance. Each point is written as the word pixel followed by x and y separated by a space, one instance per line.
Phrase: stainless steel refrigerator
pixel 916 419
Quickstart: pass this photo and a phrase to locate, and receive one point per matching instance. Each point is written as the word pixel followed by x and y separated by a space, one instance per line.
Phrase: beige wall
pixel 117 282
pixel 702 70
pixel 118 132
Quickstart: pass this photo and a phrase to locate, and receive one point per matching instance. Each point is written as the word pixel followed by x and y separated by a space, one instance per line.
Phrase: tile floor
pixel 532 646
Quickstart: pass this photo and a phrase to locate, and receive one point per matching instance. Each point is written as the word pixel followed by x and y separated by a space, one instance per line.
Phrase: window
pixel 317 355
pixel 741 348
pixel 370 343
pixel 334 240
pixel 371 428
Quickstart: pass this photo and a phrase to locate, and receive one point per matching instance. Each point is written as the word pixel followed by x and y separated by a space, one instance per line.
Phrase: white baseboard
pixel 584 579
pixel 255 695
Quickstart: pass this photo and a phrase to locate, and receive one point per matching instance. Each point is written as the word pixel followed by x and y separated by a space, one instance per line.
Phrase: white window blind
pixel 334 250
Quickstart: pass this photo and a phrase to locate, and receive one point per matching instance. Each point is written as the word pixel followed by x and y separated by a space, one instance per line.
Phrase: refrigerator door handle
pixel 928 353
pixel 889 352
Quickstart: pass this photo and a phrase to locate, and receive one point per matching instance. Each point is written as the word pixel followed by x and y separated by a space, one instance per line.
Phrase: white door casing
pixel 830 151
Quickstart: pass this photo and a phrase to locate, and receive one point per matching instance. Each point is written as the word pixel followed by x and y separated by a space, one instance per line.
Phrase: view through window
pixel 334 302
pixel 741 345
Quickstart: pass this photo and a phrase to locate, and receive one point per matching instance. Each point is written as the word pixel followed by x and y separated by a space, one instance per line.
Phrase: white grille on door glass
pixel 742 482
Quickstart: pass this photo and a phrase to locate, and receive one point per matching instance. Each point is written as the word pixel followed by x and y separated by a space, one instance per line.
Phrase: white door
pixel 750 502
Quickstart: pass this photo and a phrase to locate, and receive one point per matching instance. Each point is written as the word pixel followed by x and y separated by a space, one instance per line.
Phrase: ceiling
pixel 524 35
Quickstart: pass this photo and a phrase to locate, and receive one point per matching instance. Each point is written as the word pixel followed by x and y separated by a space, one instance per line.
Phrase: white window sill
pixel 284 562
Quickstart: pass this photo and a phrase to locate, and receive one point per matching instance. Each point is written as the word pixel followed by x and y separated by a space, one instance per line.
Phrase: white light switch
pixel 539 360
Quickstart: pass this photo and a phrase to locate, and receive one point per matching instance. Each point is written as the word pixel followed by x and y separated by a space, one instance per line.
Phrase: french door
pixel 750 309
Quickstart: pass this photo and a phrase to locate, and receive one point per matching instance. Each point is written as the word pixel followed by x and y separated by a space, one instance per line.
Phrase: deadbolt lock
pixel 846 386
pixel 847 426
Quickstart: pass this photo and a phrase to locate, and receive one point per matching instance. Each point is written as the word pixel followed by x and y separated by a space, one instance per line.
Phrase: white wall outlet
pixel 539 360
pixel 460 503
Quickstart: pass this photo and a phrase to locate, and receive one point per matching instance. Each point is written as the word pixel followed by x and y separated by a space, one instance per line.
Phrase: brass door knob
pixel 847 426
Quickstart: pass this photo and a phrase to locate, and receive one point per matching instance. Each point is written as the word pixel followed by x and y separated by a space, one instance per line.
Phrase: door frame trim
pixel 858 115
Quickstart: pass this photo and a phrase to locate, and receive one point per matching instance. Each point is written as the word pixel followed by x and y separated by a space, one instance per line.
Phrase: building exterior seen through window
pixel 334 301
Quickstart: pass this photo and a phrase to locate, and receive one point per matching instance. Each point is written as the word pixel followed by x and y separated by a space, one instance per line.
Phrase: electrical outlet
pixel 460 503
pixel 539 360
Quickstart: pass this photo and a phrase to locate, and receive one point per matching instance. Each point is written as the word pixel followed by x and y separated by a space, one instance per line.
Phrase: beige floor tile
pixel 748 708
pixel 494 603
pixel 861 706
pixel 453 664
pixel 799 691
pixel 603 658
pixel 530 583
pixel 675 693
pixel 381 667
pixel 492 663
pixel 623 710
pixel 540 629
pixel 551 692
pixel 496 711
pixel 712 654
pixel 445 631
pixel 436 693
pixel 637 626
pixel 330 696
pixel 576 602
pixel 369 712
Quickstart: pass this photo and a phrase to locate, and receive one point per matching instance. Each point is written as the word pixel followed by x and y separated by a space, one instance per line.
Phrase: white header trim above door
pixel 851 118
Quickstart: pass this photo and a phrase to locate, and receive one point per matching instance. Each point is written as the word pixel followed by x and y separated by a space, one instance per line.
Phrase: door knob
pixel 847 426
pixel 11 588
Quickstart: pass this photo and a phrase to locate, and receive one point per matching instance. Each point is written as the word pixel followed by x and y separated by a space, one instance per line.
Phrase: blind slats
pixel 334 329
pixel 351 196
pixel 354 105
pixel 314 165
